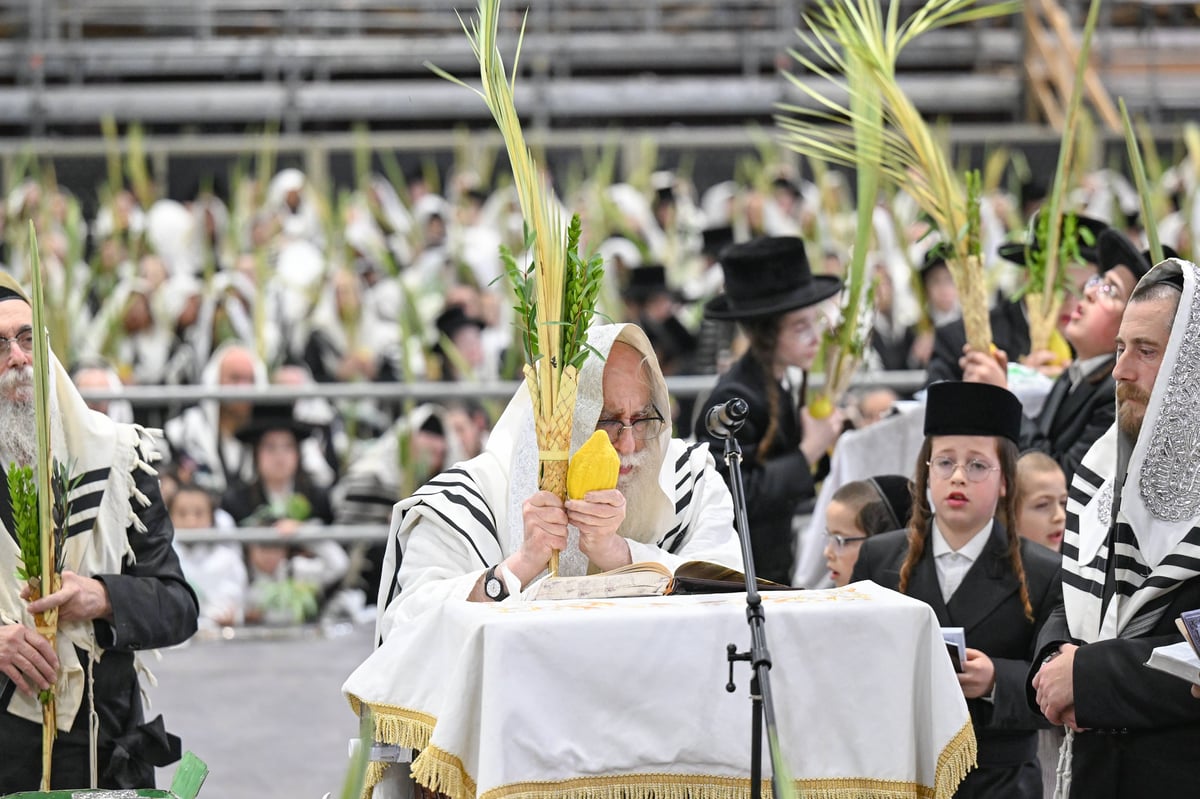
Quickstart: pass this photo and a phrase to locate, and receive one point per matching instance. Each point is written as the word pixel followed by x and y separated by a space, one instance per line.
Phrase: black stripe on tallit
pixel 1131 564
pixel 1069 551
pixel 1088 476
pixel 467 484
pixel 94 476
pixel 1079 495
pixel 687 456
pixel 1083 584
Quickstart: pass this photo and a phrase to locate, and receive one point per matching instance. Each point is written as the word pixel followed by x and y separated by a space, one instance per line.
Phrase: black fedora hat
pixel 1016 251
pixel 935 256
pixel 714 240
pixel 455 318
pixel 1115 249
pixel 768 275
pixel 266 418
pixel 646 282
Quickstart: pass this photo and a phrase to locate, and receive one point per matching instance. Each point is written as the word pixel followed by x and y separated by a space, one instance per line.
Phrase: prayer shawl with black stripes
pixel 1137 502
pixel 469 517
pixel 104 506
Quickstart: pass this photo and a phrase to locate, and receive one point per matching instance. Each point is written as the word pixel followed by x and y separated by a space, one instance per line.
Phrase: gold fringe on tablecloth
pixel 443 773
pixel 958 757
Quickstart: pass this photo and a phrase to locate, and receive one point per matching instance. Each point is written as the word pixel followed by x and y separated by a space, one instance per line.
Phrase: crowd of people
pixel 273 286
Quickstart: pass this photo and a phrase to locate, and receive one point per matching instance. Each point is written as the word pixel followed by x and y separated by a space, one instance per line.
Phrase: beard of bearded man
pixel 18 427
pixel 638 488
pixel 1131 408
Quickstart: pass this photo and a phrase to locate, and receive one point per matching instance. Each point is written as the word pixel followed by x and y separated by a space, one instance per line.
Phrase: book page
pixel 1178 660
pixel 620 582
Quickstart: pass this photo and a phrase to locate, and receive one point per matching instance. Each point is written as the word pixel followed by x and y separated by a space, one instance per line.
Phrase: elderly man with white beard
pixel 122 586
pixel 485 518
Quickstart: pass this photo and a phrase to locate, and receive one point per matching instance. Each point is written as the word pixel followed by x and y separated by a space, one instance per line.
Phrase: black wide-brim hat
pixel 972 409
pixel 767 276
pixel 1115 249
pixel 455 318
pixel 646 282
pixel 1016 251
pixel 266 418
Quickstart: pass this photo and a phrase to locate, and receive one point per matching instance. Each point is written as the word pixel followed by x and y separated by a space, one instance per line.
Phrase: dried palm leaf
pixel 1043 301
pixel 556 294
pixel 844 32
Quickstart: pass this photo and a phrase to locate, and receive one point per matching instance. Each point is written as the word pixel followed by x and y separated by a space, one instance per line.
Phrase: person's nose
pixel 17 356
pixel 625 443
pixel 1123 370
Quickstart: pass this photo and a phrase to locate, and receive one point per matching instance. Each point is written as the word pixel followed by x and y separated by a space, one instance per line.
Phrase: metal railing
pixel 310 62
pixel 903 382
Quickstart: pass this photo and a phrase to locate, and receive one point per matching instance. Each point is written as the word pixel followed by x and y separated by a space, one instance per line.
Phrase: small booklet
pixel 1179 660
pixel 1189 624
pixel 956 646
pixel 651 579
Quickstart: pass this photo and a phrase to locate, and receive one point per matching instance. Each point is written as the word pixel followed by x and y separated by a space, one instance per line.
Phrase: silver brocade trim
pixel 1170 482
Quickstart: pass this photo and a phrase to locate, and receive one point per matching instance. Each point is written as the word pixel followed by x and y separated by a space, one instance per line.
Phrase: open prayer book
pixel 651 579
pixel 1181 660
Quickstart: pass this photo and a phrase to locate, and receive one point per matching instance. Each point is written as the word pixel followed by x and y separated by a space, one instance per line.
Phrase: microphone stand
pixel 761 701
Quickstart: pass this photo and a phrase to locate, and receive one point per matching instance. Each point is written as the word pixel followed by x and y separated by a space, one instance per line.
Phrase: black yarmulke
pixel 972 409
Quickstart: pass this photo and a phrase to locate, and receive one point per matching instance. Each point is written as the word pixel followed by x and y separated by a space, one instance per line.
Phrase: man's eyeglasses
pixel 1104 289
pixel 975 470
pixel 24 340
pixel 641 429
pixel 840 541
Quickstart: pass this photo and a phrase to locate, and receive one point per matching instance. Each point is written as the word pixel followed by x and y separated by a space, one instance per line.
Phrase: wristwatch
pixel 493 585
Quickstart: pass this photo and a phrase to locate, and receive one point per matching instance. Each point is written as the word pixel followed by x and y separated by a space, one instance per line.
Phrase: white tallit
pixel 477 504
pixel 105 504
pixel 1148 489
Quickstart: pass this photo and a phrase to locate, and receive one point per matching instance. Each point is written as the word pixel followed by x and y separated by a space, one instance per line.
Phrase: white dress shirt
pixel 953 565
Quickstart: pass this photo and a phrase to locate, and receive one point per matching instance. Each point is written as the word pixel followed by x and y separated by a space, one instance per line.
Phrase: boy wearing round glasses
pixel 1081 404
pixel 962 556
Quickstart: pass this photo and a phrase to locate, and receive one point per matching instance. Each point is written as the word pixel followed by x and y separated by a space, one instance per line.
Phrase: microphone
pixel 727 418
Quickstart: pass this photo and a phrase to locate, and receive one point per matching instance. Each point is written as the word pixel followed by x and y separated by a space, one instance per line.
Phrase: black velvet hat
pixel 715 239
pixel 896 492
pixel 1015 251
pixel 266 418
pixel 935 256
pixel 972 409
pixel 1115 249
pixel 646 282
pixel 455 318
pixel 766 276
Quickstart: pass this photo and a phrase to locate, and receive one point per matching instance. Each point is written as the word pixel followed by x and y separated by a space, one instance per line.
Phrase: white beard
pixel 18 418
pixel 638 488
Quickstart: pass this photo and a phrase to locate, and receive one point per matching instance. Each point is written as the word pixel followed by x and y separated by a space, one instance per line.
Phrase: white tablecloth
pixel 626 697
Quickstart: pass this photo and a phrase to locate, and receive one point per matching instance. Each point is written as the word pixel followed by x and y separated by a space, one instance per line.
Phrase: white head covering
pixel 106 455
pixel 1146 509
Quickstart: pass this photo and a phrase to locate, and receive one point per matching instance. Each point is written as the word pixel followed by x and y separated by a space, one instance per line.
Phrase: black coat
pixel 153 606
pixel 1069 423
pixel 775 485
pixel 987 605
pixel 1010 332
pixel 1143 726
